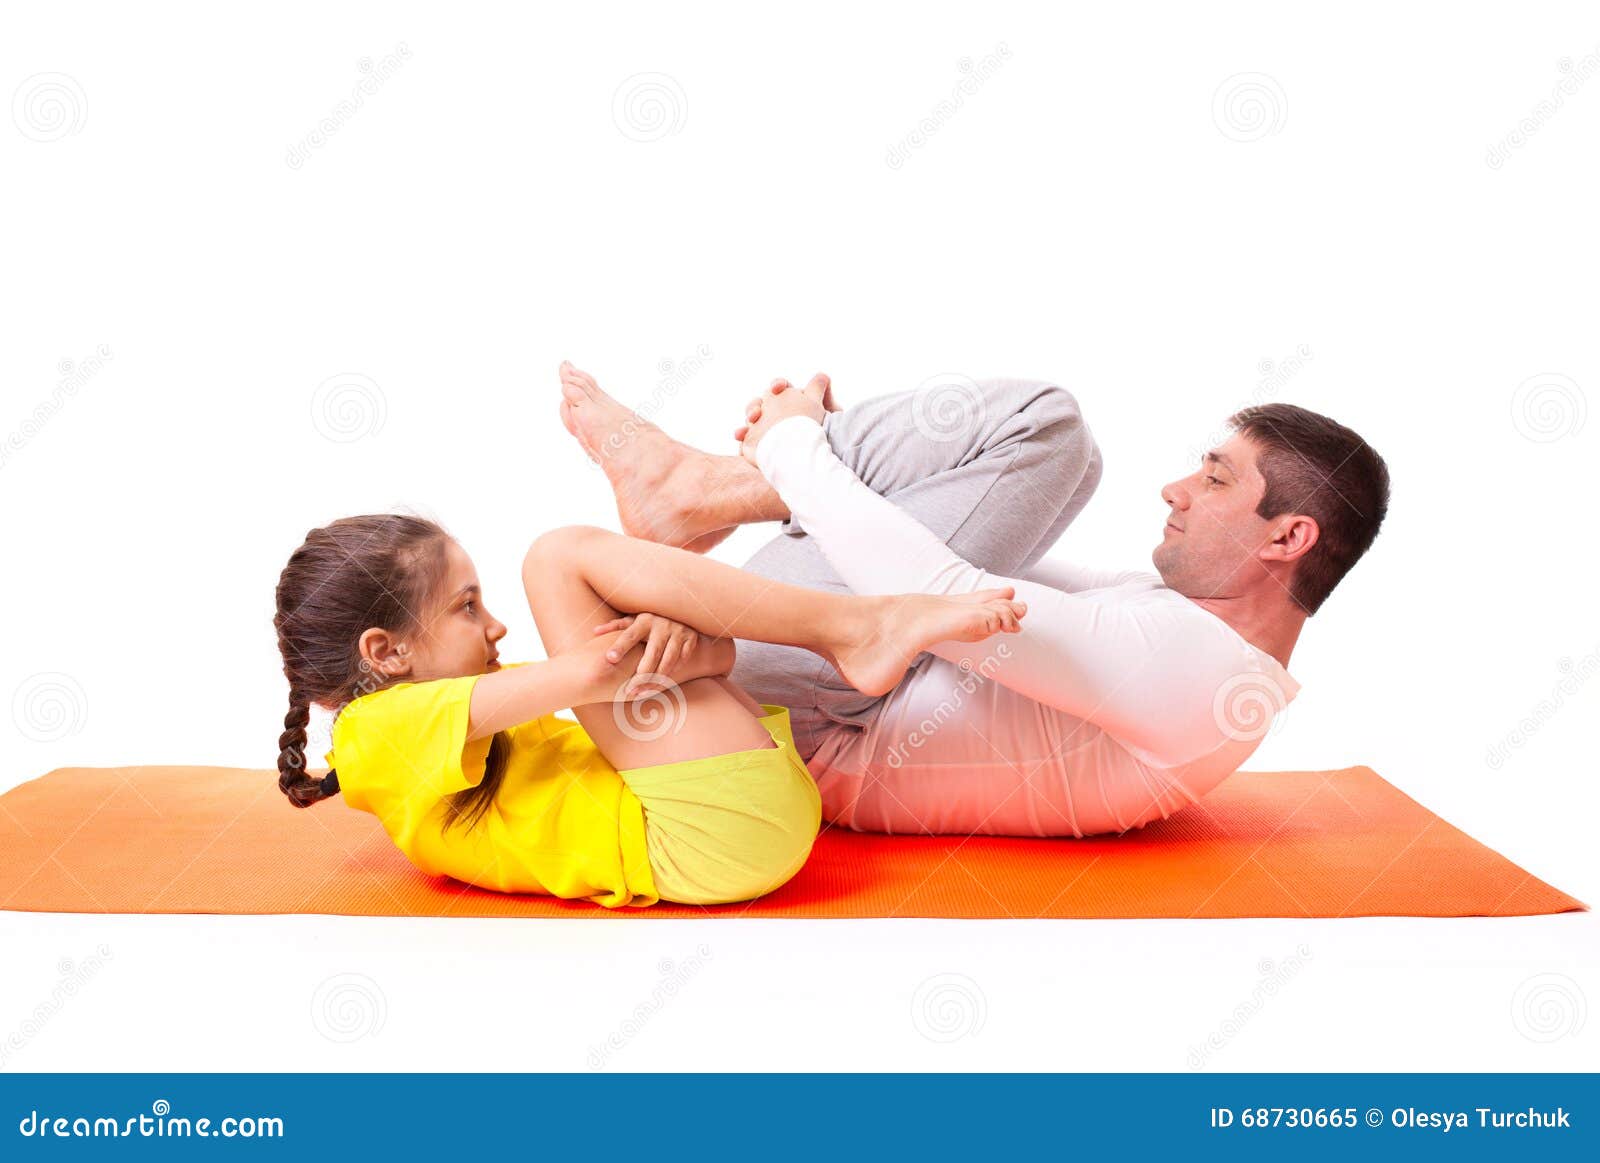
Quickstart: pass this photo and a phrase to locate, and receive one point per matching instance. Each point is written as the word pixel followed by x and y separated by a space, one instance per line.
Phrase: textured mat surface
pixel 1264 844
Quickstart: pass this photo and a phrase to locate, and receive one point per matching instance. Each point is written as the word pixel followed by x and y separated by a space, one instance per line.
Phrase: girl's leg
pixel 701 718
pixel 739 693
pixel 871 639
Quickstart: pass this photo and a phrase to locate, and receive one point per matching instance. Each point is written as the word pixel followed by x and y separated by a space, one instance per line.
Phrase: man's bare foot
pixel 660 484
pixel 891 631
pixel 705 541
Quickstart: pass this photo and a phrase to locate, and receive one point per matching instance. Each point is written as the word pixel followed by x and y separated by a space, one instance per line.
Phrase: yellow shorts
pixel 730 827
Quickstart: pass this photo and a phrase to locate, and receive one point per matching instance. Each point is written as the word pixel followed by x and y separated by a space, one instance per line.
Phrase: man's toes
pixel 577 386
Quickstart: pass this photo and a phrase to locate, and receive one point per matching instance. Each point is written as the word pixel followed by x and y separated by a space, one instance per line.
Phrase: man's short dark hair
pixel 1321 469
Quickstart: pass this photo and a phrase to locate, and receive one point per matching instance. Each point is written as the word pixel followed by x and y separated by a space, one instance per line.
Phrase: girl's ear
pixel 384 653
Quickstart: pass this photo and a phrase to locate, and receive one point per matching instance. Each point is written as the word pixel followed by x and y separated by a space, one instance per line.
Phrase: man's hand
pixel 779 403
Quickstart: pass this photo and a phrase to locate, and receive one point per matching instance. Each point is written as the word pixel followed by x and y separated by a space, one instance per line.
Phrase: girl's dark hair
pixel 381 570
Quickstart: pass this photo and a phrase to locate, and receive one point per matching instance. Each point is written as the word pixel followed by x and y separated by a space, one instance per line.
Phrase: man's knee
pixel 1052 409
pixel 1050 420
pixel 1092 472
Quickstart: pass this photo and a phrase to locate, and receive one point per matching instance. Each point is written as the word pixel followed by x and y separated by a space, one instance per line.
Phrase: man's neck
pixel 1272 627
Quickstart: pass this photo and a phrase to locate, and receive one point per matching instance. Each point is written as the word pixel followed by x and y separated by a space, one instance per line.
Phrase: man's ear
pixel 1293 539
pixel 385 653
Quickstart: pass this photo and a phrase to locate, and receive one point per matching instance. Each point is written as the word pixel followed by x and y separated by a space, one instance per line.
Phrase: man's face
pixel 1210 544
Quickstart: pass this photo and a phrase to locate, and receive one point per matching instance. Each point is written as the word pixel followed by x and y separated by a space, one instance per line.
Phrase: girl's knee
pixel 559 547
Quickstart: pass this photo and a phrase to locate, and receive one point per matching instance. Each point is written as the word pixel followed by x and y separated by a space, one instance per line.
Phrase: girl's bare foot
pixel 887 633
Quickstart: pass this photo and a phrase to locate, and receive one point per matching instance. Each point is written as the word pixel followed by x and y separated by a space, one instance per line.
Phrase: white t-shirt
pixel 1120 701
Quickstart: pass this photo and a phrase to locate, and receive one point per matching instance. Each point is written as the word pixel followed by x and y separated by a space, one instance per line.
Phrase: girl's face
pixel 458 635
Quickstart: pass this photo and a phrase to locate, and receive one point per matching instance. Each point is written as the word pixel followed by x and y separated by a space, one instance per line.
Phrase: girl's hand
pixel 666 642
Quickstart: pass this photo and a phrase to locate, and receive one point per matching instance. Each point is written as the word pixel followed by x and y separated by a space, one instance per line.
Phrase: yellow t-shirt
pixel 563 822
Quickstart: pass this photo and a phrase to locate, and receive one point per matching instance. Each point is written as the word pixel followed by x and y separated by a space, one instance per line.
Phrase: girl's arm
pixel 665 642
pixel 583 675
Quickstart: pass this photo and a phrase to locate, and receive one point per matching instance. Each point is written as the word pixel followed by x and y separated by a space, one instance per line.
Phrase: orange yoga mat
pixel 1263 844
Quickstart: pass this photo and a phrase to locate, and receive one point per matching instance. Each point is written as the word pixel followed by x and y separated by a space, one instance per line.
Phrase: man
pixel 1126 697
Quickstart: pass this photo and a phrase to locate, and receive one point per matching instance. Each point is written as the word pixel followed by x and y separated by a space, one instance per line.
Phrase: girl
pixel 673 785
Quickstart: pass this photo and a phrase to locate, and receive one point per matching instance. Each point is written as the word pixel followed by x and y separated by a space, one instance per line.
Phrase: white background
pixel 1094 214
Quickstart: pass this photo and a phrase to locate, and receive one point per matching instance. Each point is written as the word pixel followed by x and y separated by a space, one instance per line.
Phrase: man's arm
pixel 1144 672
pixel 1073 578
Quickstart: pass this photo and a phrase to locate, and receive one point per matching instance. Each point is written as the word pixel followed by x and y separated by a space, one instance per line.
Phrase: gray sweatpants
pixel 997 471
